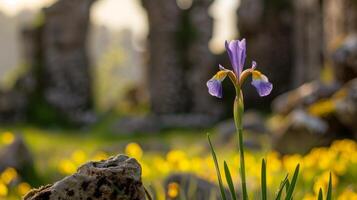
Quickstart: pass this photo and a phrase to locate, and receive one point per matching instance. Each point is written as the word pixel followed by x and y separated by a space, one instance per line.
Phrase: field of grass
pixel 58 153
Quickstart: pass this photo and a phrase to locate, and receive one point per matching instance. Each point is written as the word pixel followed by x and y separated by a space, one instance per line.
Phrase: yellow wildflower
pixel 8 175
pixel 3 190
pixel 173 190
pixel 134 150
pixel 23 188
pixel 7 137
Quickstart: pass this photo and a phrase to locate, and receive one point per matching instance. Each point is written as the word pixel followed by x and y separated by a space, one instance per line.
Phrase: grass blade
pixel 287 186
pixel 264 180
pixel 320 197
pixel 223 195
pixel 282 185
pixel 229 181
pixel 147 193
pixel 289 194
pixel 329 190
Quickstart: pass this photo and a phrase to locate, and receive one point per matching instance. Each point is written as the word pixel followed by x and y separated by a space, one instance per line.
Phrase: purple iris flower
pixel 237 54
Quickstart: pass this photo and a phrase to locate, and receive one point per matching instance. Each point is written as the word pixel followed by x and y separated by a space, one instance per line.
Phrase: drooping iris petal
pixel 261 83
pixel 215 83
pixel 237 53
pixel 214 87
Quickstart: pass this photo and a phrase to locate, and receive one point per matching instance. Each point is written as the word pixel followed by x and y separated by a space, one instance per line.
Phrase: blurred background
pixel 83 80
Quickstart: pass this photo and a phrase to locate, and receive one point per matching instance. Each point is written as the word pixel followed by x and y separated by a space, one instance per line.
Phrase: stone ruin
pixel 58 82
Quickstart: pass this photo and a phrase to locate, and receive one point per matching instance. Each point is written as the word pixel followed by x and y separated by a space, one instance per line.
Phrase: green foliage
pixel 281 188
pixel 221 187
pixel 229 181
pixel 329 191
pixel 264 180
pixel 291 187
pixel 320 197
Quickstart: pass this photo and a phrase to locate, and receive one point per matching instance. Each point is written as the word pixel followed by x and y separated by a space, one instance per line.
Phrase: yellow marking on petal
pixel 256 74
pixel 220 75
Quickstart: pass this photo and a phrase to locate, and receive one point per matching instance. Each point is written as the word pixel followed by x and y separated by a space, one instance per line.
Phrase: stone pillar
pixel 267 27
pixel 308 41
pixel 180 62
pixel 340 36
pixel 66 72
pixel 165 72
pixel 200 59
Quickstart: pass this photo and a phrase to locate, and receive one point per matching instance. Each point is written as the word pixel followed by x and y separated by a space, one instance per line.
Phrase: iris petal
pixel 262 84
pixel 254 65
pixel 237 54
pixel 215 87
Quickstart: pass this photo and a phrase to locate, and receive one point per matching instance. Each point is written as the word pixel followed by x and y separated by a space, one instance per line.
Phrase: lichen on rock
pixel 118 177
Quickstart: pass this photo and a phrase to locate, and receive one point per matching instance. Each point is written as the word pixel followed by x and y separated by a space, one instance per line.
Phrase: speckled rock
pixel 116 178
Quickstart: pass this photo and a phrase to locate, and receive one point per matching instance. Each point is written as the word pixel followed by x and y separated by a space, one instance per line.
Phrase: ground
pixel 59 152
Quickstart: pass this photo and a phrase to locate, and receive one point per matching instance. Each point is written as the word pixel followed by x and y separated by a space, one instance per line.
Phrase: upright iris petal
pixel 261 83
pixel 237 53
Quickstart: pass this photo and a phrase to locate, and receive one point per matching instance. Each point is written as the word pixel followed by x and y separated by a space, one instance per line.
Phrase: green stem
pixel 238 119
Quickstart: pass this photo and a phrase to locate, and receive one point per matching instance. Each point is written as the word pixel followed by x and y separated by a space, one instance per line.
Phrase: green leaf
pixel 229 181
pixel 289 194
pixel 223 194
pixel 282 185
pixel 287 186
pixel 148 195
pixel 320 197
pixel 264 180
pixel 329 190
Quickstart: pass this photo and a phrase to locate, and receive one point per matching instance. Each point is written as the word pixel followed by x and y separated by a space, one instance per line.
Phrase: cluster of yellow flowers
pixel 9 180
pixel 339 159
pixel 77 158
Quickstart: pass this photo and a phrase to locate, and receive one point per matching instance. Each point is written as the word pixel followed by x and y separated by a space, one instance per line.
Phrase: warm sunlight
pixel 12 7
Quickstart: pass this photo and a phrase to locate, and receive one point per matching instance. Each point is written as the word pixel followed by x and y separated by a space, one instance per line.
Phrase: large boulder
pixel 345 59
pixel 316 114
pixel 299 132
pixel 116 178
pixel 303 96
pixel 346 106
